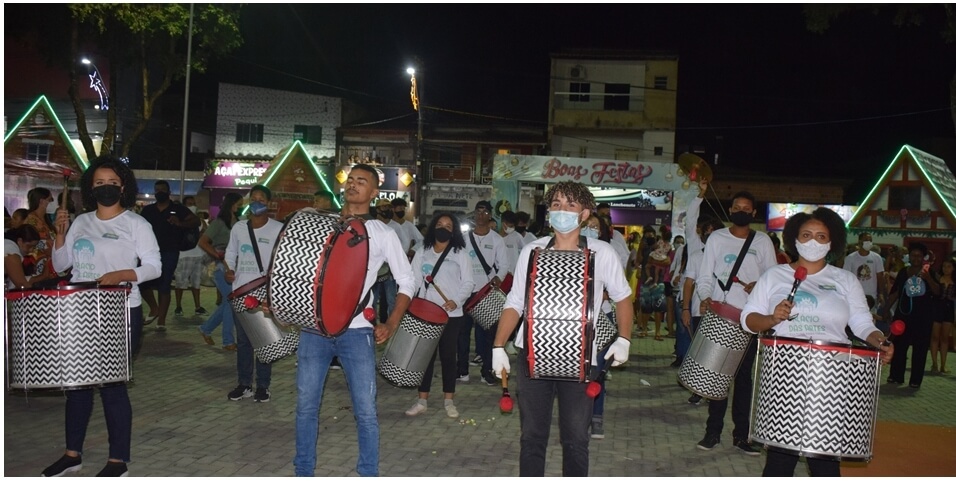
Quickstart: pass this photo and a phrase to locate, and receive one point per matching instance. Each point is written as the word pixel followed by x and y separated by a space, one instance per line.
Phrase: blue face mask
pixel 258 208
pixel 563 221
pixel 589 232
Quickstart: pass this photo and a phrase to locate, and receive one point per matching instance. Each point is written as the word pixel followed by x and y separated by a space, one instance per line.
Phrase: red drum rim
pixel 726 311
pixel 428 311
pixel 248 287
pixel 62 290
pixel 506 283
pixel 821 345
pixel 481 294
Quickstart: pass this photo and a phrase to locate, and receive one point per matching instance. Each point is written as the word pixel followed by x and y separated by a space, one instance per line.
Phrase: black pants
pixel 918 335
pixel 464 345
pixel 448 349
pixel 781 464
pixel 743 391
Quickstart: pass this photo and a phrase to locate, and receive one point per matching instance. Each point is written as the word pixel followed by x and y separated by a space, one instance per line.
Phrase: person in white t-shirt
pixel 110 245
pixel 523 219
pixel 826 302
pixel 512 239
pixel 867 267
pixel 409 233
pixel 570 205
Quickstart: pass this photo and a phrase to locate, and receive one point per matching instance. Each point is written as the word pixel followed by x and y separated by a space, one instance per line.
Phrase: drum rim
pixel 479 295
pixel 809 453
pixel 358 224
pixel 249 287
pixel 419 304
pixel 16 294
pixel 765 340
pixel 726 308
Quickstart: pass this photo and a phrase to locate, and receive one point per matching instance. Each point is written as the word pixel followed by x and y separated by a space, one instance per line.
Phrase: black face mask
pixel 385 213
pixel 741 218
pixel 399 214
pixel 162 196
pixel 107 195
pixel 521 228
pixel 442 235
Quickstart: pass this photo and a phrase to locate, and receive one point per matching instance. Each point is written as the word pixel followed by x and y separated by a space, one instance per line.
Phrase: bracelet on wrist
pixel 498 347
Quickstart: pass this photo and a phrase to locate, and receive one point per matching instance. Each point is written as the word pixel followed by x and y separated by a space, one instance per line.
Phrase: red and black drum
pixel 270 340
pixel 715 353
pixel 816 399
pixel 486 305
pixel 558 314
pixel 318 271
pixel 410 350
pixel 69 337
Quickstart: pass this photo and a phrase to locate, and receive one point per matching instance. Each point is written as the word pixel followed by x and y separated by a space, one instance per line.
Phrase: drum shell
pixel 68 337
pixel 270 340
pixel 816 399
pixel 486 305
pixel 715 354
pixel 411 348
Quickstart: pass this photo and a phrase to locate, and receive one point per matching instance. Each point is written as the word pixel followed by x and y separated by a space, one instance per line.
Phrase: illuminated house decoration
pixel 294 178
pixel 915 198
pixel 37 145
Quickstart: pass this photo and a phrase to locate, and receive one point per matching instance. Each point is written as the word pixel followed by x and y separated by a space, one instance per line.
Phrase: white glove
pixel 499 361
pixel 620 350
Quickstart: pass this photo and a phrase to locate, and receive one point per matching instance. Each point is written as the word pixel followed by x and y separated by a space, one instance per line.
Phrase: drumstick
pixel 506 403
pixel 66 186
pixel 594 387
pixel 440 293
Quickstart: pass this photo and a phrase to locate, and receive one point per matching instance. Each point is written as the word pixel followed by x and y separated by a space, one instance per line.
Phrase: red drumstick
pixel 897 328
pixel 506 403
pixel 594 387
pixel 432 282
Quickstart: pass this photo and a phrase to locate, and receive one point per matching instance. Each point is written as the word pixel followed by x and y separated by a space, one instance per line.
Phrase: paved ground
pixel 183 425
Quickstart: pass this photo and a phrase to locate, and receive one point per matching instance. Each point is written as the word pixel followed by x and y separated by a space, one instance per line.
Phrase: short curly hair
pixel 130 189
pixel 573 191
pixel 833 222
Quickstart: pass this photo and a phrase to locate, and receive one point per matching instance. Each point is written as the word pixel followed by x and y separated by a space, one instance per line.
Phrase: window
pixel 904 198
pixel 660 83
pixel 618 96
pixel 38 152
pixel 251 133
pixel 449 155
pixel 658 151
pixel 583 151
pixel 580 88
pixel 308 134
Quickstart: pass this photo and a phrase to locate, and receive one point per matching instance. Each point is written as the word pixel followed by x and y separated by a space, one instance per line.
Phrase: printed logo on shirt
pixel 246 249
pixel 805 306
pixel 828 287
pixel 863 273
pixel 730 258
pixel 84 266
pixel 427 269
pixel 264 240
pixel 110 235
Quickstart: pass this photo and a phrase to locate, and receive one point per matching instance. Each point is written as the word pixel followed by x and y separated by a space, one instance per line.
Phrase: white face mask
pixel 52 206
pixel 192 209
pixel 867 245
pixel 509 230
pixel 812 250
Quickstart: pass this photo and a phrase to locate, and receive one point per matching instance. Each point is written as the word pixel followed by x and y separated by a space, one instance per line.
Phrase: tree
pixel 152 38
pixel 820 16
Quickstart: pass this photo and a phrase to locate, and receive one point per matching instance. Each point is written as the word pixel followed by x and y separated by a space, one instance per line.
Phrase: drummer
pixel 829 300
pixel 104 245
pixel 354 347
pixel 570 205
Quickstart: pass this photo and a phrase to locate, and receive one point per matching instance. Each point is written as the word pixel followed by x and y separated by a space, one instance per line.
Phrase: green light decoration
pixel 42 100
pixel 278 166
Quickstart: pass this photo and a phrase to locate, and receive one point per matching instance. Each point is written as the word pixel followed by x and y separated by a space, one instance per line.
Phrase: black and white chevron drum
pixel 410 350
pixel 816 399
pixel 486 305
pixel 69 337
pixel 558 314
pixel 270 340
pixel 715 353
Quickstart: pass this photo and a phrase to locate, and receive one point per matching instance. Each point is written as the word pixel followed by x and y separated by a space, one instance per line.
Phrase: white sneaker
pixel 450 409
pixel 463 378
pixel 417 408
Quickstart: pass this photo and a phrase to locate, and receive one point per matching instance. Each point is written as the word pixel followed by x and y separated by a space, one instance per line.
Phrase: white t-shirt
pixel 720 255
pixel 620 246
pixel 693 267
pixel 527 237
pixel 454 276
pixel 513 244
pixel 94 247
pixel 825 303
pixel 240 256
pixel 402 234
pixel 608 276
pixel 494 252
pixel 383 247
pixel 411 233
pixel 865 268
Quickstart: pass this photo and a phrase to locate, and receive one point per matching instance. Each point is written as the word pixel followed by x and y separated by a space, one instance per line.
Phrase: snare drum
pixel 410 350
pixel 486 305
pixel 816 399
pixel 715 353
pixel 68 337
pixel 270 340
pixel 558 313
pixel 318 271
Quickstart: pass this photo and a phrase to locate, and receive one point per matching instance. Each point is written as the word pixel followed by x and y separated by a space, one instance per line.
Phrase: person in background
pixel 596 227
pixel 782 257
pixel 111 245
pixel 17 243
pixel 385 288
pixel 213 242
pixel 867 267
pixel 522 221
pixel 18 217
pixel 917 312
pixel 943 322
pixel 41 204
pixel 512 239
pixel 407 232
pixel 189 269
pixel 617 239
pixel 322 200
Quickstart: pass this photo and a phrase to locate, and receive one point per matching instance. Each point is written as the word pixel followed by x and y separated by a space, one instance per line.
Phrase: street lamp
pixel 96 83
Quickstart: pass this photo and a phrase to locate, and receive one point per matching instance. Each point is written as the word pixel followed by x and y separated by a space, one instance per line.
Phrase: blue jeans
pixel 245 356
pixel 385 293
pixel 223 314
pixel 356 350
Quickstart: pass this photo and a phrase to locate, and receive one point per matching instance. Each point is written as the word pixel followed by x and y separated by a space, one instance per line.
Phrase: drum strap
pixel 474 245
pixel 255 246
pixel 740 260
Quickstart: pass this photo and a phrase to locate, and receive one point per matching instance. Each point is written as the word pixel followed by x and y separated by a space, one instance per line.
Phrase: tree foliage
pixel 152 38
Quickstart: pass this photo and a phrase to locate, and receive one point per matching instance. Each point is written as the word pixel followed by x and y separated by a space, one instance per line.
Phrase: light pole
pixel 96 83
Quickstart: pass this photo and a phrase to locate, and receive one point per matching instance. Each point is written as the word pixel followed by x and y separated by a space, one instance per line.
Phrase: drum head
pixel 427 311
pixel 342 277
pixel 64 290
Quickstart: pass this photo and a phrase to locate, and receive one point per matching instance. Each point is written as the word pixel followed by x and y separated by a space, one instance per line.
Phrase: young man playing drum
pixel 715 282
pixel 570 204
pixel 354 348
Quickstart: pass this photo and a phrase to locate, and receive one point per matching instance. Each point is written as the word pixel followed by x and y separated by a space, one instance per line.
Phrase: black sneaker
pixel 200 311
pixel 64 465
pixel 476 361
pixel 113 470
pixel 709 442
pixel 178 312
pixel 490 379
pixel 262 395
pixel 746 448
pixel 240 392
pixel 695 400
pixel 677 362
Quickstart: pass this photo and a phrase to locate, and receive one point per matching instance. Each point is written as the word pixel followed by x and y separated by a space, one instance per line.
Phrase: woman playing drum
pixel 104 245
pixel 830 299
pixel 448 288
